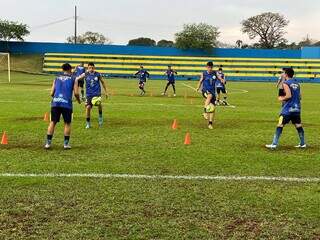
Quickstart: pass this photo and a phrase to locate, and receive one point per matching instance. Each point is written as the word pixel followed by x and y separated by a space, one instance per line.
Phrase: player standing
pixel 61 104
pixel 291 109
pixel 143 76
pixel 208 81
pixel 171 80
pixel 280 83
pixel 79 70
pixel 221 88
pixel 93 79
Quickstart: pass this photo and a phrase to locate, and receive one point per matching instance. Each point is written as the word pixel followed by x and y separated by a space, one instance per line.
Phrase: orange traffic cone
pixel 4 140
pixel 174 124
pixel 187 139
pixel 46 117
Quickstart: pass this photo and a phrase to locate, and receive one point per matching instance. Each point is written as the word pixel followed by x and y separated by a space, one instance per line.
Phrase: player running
pixel 79 70
pixel 221 88
pixel 291 109
pixel 171 81
pixel 143 76
pixel 61 104
pixel 208 81
pixel 93 79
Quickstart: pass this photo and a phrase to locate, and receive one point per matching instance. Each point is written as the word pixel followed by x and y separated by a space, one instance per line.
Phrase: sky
pixel 122 20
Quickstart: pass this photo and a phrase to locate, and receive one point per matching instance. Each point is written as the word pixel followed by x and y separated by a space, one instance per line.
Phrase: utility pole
pixel 75 24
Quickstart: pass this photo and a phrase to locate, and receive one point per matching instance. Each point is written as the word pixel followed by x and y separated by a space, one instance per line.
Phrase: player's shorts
pixel 206 93
pixel 171 82
pixel 56 113
pixel 293 118
pixel 89 100
pixel 142 83
pixel 281 93
pixel 221 90
pixel 81 83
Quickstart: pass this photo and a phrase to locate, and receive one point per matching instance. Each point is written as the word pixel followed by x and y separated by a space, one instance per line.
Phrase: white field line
pixel 164 177
pixel 233 89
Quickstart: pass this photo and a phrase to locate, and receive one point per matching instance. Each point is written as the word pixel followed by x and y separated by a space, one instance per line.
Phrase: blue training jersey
pixel 219 84
pixel 293 105
pixel 170 75
pixel 93 87
pixel 63 89
pixel 209 81
pixel 143 75
pixel 79 70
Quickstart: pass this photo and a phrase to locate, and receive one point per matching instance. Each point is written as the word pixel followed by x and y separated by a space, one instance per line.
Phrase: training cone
pixel 174 124
pixel 187 139
pixel 46 117
pixel 4 140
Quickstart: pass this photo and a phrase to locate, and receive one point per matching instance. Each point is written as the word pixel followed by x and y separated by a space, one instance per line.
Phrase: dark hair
pixel 210 64
pixel 289 72
pixel 66 67
pixel 141 66
pixel 220 69
pixel 91 64
pixel 169 66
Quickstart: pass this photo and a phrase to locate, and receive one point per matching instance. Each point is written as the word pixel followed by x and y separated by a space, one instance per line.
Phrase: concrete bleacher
pixel 249 69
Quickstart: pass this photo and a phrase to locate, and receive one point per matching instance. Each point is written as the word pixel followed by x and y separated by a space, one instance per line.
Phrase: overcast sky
pixel 121 20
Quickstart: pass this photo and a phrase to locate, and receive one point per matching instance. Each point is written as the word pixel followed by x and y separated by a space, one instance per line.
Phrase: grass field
pixel 137 139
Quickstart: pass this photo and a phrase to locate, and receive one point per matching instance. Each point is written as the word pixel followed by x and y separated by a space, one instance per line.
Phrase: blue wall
pixel 41 48
pixel 310 52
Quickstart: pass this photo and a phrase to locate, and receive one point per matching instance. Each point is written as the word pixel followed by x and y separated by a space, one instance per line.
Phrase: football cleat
pixel 210 126
pixel 88 125
pixel 271 146
pixel 301 146
pixel 47 146
pixel 66 146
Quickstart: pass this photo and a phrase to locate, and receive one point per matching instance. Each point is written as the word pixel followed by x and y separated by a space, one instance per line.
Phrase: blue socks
pixel 301 135
pixel 277 136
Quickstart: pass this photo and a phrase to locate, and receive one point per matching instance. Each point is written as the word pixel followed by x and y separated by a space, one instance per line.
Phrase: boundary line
pixel 164 177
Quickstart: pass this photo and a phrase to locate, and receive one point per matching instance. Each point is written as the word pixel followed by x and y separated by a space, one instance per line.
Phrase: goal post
pixel 5 64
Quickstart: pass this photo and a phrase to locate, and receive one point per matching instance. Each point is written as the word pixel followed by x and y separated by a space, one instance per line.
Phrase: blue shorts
pixel 221 90
pixel 293 118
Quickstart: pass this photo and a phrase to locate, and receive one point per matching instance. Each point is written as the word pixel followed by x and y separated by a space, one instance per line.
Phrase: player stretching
pixel 171 80
pixel 291 109
pixel 79 70
pixel 208 81
pixel 221 88
pixel 143 76
pixel 93 92
pixel 61 104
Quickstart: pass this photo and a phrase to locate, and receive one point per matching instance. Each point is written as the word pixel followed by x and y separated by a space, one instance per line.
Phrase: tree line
pixel 268 30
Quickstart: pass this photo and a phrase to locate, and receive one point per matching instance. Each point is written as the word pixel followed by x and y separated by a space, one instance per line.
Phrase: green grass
pixel 137 139
pixel 31 63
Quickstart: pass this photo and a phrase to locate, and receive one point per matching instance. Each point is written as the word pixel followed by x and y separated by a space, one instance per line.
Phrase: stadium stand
pixel 249 69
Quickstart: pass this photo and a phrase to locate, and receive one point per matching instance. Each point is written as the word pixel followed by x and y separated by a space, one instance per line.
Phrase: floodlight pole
pixel 75 24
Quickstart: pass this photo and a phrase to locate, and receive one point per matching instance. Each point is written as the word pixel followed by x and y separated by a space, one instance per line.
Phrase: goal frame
pixel 9 65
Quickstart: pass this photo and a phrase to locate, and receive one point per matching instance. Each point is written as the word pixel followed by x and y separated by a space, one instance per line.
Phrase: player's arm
pixel 103 83
pixel 287 92
pixel 82 76
pixel 200 82
pixel 222 80
pixel 148 75
pixel 53 88
pixel 76 91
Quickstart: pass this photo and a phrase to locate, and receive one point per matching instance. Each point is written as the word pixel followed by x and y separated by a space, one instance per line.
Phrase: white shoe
pixel 271 146
pixel 174 95
pixel 47 146
pixel 66 146
pixel 301 146
pixel 163 94
pixel 210 126
pixel 88 126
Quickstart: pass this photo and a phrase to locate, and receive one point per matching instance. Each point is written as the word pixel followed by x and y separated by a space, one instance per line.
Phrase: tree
pixel 268 27
pixel 197 36
pixel 165 43
pixel 142 42
pixel 90 38
pixel 13 30
pixel 239 43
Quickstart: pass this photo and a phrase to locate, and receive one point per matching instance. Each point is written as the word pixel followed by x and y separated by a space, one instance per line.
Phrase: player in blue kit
pixel 208 81
pixel 78 71
pixel 62 89
pixel 171 80
pixel 291 109
pixel 93 81
pixel 221 88
pixel 143 76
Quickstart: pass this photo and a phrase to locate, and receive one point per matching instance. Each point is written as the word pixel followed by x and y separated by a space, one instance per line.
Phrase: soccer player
pixel 143 76
pixel 221 88
pixel 93 81
pixel 61 104
pixel 208 81
pixel 280 83
pixel 291 109
pixel 79 70
pixel 171 80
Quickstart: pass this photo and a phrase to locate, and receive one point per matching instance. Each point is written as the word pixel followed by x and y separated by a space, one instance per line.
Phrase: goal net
pixel 5 69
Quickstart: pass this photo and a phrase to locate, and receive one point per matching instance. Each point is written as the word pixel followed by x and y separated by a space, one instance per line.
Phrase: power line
pixel 51 23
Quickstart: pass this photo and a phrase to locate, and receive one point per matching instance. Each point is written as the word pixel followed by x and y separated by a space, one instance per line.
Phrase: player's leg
pixel 141 87
pixel 81 84
pixel 211 113
pixel 67 117
pixel 174 88
pixel 225 96
pixel 55 118
pixel 88 113
pixel 218 96
pixel 283 120
pixel 205 114
pixel 166 88
pixel 100 119
pixel 296 120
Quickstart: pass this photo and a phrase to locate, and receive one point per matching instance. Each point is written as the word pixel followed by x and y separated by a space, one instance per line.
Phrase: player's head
pixel 209 66
pixel 141 67
pixel 81 64
pixel 288 73
pixel 169 67
pixel 220 69
pixel 91 67
pixel 66 68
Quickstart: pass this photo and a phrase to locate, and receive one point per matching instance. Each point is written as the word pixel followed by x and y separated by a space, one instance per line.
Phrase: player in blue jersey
pixel 291 109
pixel 171 80
pixel 208 81
pixel 62 89
pixel 93 81
pixel 78 71
pixel 143 76
pixel 221 88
